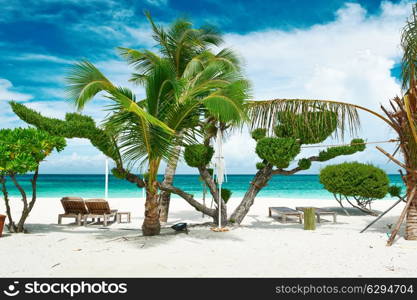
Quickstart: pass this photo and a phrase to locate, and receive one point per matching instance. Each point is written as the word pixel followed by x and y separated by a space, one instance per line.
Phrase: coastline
pixel 260 247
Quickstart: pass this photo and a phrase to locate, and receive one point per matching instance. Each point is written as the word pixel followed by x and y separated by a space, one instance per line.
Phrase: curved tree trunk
pixel 259 181
pixel 151 225
pixel 11 226
pixel 165 196
pixel 27 206
pixel 190 199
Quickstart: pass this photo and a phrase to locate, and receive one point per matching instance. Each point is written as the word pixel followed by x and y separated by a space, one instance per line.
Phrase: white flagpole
pixel 106 181
pixel 220 205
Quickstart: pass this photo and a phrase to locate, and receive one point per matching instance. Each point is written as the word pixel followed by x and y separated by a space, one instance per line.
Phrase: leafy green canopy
pixel 304 164
pixel 356 180
pixel 22 149
pixel 395 190
pixel 356 145
pixel 308 128
pixel 74 126
pixel 198 155
pixel 258 133
pixel 278 152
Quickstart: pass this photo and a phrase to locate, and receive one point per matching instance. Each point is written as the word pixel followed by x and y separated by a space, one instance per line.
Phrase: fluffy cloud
pixel 349 59
pixel 8 93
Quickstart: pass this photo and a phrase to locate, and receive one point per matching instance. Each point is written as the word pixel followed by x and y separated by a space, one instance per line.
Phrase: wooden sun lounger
pixel 285 212
pixel 99 208
pixel 74 207
pixel 320 212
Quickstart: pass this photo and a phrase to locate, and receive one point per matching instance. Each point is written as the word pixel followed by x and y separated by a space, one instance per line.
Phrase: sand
pixel 260 247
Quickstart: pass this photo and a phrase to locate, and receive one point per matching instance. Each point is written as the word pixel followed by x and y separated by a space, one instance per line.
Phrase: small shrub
pixel 278 151
pixel 260 165
pixel 308 128
pixel 258 134
pixel 333 152
pixel 198 155
pixel 304 164
pixel 362 182
pixel 394 191
pixel 226 194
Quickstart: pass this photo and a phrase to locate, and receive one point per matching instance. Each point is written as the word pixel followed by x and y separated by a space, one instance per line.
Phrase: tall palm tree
pixel 148 130
pixel 401 115
pixel 185 47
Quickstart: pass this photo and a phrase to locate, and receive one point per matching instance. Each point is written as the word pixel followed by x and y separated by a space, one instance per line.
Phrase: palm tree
pixel 401 115
pixel 185 48
pixel 148 130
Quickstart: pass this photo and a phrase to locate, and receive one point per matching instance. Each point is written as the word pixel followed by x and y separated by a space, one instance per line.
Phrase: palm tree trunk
pixel 151 225
pixel 411 218
pixel 165 197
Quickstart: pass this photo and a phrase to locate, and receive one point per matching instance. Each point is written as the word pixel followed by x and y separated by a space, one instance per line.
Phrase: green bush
pixel 198 155
pixel 211 171
pixel 258 133
pixel 304 164
pixel 362 182
pixel 226 194
pixel 21 151
pixel 394 190
pixel 308 128
pixel 278 151
pixel 260 165
pixel 333 152
pixel 355 179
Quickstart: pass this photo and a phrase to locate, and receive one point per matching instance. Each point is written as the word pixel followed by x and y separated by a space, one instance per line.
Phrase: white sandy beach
pixel 261 247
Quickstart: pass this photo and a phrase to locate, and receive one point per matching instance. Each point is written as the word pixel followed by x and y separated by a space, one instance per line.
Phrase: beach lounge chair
pixel 320 212
pixel 285 212
pixel 74 207
pixel 99 208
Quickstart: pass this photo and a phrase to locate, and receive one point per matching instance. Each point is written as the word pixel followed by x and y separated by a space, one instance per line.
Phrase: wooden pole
pixel 381 215
pixel 393 159
pixel 401 219
pixel 309 218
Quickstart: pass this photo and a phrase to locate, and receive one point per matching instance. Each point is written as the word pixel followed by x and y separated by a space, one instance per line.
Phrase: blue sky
pixel 326 49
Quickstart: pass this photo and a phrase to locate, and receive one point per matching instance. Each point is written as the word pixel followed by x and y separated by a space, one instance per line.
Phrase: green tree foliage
pixel 226 194
pixel 307 128
pixel 356 145
pixel 260 165
pixel 198 155
pixel 395 191
pixel 278 152
pixel 258 133
pixel 74 126
pixel 21 151
pixel 362 182
pixel 304 164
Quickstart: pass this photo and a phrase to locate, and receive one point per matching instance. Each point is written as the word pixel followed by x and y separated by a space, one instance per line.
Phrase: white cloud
pixel 157 2
pixel 41 57
pixel 348 59
pixel 7 92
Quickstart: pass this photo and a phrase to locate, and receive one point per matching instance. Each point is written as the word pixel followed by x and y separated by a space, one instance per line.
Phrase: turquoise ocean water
pixel 88 186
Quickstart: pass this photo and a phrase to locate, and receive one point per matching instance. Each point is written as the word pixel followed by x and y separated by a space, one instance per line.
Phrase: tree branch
pixel 293 171
pixel 189 198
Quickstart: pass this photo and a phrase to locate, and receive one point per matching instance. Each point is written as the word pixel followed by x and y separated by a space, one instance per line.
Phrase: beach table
pixel 319 212
pixel 285 212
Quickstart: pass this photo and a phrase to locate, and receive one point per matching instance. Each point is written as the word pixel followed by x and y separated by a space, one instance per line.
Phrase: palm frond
pixel 409 46
pixel 142 61
pixel 263 114
pixel 84 82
